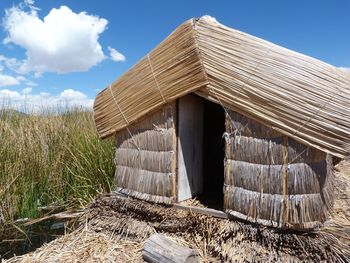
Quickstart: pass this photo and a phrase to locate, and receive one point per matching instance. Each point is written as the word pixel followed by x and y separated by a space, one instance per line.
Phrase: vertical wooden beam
pixel 174 149
pixel 226 182
pixel 285 180
pixel 227 175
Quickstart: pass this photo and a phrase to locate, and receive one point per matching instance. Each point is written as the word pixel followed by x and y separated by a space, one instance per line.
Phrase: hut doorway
pixel 201 125
pixel 213 156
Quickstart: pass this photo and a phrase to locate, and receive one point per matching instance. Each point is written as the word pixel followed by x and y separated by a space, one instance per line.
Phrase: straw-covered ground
pixel 114 228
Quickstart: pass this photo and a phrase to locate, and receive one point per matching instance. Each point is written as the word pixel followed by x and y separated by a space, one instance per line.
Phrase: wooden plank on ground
pixel 159 248
pixel 202 210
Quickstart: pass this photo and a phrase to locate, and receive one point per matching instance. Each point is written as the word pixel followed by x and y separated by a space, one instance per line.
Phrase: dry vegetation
pixel 114 229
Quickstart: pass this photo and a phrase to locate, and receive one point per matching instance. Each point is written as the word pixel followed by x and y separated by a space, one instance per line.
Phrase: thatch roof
pixel 300 96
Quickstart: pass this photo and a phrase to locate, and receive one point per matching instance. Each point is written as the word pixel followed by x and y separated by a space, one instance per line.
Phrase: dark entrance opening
pixel 213 156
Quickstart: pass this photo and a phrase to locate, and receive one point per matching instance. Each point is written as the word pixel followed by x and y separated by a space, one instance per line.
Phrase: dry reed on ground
pixel 84 246
pixel 231 240
pixel 216 239
pixel 131 221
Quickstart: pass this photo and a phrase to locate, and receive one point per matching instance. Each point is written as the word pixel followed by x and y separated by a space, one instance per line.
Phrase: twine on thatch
pixel 176 69
pixel 126 120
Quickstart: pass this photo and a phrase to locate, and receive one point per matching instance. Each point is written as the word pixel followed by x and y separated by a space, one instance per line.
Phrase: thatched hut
pixel 244 125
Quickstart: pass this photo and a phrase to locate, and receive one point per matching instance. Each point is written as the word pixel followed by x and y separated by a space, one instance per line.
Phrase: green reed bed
pixel 51 158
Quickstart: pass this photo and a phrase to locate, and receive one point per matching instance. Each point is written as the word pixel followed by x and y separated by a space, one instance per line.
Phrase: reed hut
pixel 244 125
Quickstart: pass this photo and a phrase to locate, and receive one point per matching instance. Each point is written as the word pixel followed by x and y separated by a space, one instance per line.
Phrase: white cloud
pixel 30 83
pixel 6 80
pixel 116 55
pixel 61 42
pixel 44 94
pixel 26 101
pixel 71 95
pixel 11 63
pixel 26 91
pixel 6 94
pixel 26 81
pixel 29 2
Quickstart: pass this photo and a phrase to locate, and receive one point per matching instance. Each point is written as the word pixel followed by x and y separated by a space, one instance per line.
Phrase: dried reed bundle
pixel 159 162
pixel 168 72
pixel 145 157
pixel 339 224
pixel 299 96
pixel 253 142
pixel 302 178
pixel 274 181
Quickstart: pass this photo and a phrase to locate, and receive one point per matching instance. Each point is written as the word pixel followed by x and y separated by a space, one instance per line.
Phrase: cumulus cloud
pixel 6 80
pixel 6 94
pixel 26 91
pixel 10 63
pixel 29 2
pixel 26 101
pixel 116 55
pixel 61 42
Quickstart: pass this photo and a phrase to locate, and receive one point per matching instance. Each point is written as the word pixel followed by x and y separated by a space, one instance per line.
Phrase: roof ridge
pixel 198 50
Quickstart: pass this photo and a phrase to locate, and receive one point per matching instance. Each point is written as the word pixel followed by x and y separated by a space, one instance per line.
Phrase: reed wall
pixel 274 180
pixel 145 157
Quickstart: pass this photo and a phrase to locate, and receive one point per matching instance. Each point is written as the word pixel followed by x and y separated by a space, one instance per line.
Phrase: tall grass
pixel 51 158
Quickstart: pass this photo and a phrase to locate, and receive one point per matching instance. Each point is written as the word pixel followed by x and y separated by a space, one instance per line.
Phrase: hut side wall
pixel 274 180
pixel 146 157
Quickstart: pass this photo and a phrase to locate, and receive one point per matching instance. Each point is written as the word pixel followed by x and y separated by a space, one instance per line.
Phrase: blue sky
pixel 68 55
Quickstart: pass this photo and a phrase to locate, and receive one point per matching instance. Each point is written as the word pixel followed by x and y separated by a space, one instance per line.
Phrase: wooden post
pixel 227 160
pixel 174 148
pixel 285 180
pixel 158 248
